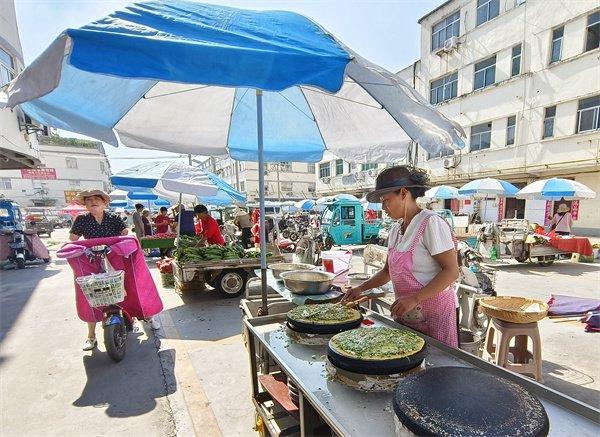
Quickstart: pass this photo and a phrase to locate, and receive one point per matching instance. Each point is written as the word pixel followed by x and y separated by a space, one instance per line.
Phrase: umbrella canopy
pixel 320 203
pixel 488 187
pixel 122 78
pixel 369 205
pixel 117 195
pixel 443 192
pixel 168 179
pixel 206 79
pixel 74 210
pixel 118 204
pixel 305 205
pixel 556 189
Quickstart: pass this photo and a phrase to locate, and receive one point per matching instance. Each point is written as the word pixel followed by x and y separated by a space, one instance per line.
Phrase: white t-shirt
pixel 437 238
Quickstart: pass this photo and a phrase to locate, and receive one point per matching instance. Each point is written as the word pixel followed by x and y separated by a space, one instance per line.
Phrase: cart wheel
pixel 328 243
pixel 545 261
pixel 46 260
pixel 20 263
pixel 230 283
pixel 294 236
pixel 285 234
pixel 521 259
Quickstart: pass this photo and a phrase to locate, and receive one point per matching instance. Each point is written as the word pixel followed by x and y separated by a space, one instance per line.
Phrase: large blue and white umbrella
pixel 443 192
pixel 488 187
pixel 556 189
pixel 212 80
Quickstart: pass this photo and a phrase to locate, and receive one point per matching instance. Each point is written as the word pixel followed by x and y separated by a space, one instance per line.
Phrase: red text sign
pixel 38 173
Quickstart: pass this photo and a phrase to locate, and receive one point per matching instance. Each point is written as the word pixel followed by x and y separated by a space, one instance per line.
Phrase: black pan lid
pixel 463 401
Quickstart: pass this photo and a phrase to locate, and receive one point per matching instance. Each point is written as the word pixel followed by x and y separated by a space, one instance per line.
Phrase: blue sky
pixel 385 31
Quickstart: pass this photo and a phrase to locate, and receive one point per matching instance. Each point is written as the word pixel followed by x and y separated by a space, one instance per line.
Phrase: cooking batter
pixel 421 263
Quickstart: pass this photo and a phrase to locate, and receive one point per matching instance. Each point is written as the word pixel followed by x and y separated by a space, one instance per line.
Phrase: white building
pixel 283 181
pixel 18 141
pixel 70 165
pixel 335 175
pixel 523 79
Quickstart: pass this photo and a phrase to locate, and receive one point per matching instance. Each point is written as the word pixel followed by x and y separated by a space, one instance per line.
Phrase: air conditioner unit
pixel 451 162
pixel 451 43
pixel 326 180
pixel 372 172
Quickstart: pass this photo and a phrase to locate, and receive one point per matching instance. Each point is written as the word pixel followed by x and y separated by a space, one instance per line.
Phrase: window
pixel 485 73
pixel 444 88
pixel 5 184
pixel 348 215
pixel 7 67
pixel 441 154
pixel 311 168
pixel 444 30
pixel 510 130
pixel 352 166
pixel 286 187
pixel 242 186
pixel 325 170
pixel 71 162
pixel 102 167
pixel 588 114
pixel 556 49
pixel 592 38
pixel 285 166
pixel 370 166
pixel 75 183
pixel 481 136
pixel 515 68
pixel 549 122
pixel 486 10
pixel 339 167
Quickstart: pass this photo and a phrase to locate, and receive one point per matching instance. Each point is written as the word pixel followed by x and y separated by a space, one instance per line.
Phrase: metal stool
pixel 497 347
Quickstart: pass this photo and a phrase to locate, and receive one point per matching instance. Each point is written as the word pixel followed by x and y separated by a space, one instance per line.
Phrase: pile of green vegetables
pixel 188 252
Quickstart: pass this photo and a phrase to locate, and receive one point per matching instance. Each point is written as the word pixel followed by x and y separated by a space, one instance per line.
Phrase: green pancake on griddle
pixel 379 343
pixel 323 314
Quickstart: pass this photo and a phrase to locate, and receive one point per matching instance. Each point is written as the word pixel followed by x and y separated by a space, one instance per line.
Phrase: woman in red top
pixel 162 221
pixel 211 232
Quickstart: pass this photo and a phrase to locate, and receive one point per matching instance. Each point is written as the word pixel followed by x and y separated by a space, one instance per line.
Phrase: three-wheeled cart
pixel 159 243
pixel 228 277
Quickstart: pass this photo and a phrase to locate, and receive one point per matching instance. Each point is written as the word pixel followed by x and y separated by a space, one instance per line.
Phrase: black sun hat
pixel 393 178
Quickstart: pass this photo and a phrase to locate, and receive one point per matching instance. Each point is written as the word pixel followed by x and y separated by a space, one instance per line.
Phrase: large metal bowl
pixel 307 282
pixel 279 268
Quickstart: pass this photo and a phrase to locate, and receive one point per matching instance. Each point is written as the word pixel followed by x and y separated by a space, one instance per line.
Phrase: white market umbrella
pixel 257 85
pixel 488 188
pixel 443 192
pixel 556 189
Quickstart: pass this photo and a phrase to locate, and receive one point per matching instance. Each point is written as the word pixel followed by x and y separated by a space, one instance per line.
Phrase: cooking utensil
pixel 355 279
pixel 363 297
pixel 279 268
pixel 307 281
pixel 467 401
pixel 323 328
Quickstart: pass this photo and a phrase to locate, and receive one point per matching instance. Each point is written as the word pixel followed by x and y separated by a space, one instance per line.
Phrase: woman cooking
pixel 421 263
pixel 97 223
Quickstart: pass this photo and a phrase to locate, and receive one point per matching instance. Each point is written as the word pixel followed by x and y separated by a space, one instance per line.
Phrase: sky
pixel 384 31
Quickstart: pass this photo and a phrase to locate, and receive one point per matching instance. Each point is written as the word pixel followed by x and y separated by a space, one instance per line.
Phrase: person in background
pixel 138 223
pixel 187 221
pixel 256 234
pixel 370 214
pixel 162 221
pixel 421 262
pixel 244 222
pixel 97 223
pixel 255 215
pixel 211 232
pixel 147 223
pixel 562 222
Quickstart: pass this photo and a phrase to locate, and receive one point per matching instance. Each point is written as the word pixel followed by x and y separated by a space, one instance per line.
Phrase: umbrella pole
pixel 179 217
pixel 261 194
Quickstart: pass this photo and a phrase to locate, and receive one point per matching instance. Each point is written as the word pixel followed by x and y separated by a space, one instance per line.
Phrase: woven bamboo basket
pixel 514 309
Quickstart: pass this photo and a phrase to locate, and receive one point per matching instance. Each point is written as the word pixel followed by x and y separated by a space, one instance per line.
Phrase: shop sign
pixel 575 209
pixel 38 173
pixel 548 213
pixel 500 208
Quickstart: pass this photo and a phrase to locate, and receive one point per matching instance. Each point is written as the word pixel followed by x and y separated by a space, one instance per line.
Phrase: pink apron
pixel 436 316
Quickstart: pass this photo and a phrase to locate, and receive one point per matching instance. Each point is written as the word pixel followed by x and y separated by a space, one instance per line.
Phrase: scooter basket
pixel 103 289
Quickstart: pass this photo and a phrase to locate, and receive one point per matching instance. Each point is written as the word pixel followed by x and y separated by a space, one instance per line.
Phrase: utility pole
pixel 237 175
pixel 190 159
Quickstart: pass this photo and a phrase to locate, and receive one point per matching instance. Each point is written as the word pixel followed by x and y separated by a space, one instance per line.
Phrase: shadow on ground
pixel 559 267
pixel 570 382
pixel 206 316
pixel 131 387
pixel 16 288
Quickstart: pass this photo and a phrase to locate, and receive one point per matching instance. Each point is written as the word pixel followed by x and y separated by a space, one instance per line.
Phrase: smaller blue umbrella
pixel 556 189
pixel 305 205
pixel 443 192
pixel 118 204
pixel 488 187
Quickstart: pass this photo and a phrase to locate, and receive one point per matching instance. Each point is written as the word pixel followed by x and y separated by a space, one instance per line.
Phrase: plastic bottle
pixel 494 253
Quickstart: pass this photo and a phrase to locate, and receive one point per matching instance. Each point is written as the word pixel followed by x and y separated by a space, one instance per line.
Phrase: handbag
pixel 553 227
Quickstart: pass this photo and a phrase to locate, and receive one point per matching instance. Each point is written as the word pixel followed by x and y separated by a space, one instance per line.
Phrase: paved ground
pixel 194 378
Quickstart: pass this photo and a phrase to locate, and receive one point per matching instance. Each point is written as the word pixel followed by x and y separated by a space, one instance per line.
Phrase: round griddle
pixel 376 367
pixel 467 402
pixel 316 328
